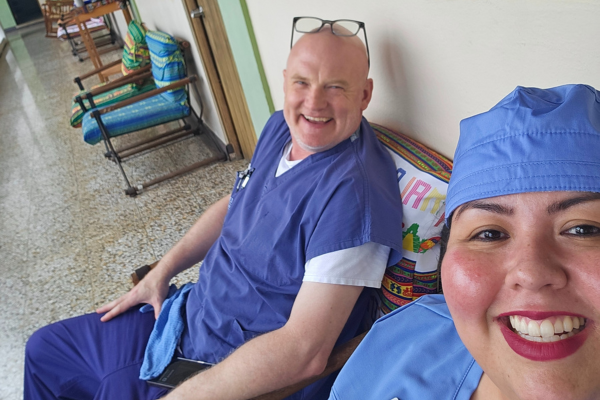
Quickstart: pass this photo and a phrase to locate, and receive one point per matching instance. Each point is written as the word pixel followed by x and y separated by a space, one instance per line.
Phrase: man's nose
pixel 535 265
pixel 316 99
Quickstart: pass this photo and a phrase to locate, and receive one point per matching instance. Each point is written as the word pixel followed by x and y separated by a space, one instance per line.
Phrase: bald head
pixel 325 45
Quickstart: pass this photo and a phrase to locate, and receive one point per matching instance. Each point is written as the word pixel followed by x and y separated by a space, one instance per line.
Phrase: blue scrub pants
pixel 82 358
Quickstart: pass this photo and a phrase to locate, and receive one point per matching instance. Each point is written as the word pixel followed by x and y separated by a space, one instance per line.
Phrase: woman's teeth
pixel 548 330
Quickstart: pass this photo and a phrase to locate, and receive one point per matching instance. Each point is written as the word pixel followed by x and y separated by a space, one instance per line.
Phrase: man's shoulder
pixel 275 134
pixel 275 124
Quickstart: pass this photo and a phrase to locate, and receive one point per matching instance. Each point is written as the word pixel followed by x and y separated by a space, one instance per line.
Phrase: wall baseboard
pixel 199 124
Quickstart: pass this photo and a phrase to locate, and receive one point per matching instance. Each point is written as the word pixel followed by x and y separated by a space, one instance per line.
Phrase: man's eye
pixel 583 230
pixel 301 83
pixel 489 235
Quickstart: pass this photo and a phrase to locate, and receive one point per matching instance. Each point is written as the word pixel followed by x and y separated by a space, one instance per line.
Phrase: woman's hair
pixel 443 246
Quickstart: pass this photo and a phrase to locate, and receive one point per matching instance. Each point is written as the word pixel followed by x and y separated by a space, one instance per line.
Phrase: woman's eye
pixel 583 230
pixel 489 235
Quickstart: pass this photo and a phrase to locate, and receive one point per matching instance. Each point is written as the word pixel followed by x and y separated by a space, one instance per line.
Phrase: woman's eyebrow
pixel 485 206
pixel 565 204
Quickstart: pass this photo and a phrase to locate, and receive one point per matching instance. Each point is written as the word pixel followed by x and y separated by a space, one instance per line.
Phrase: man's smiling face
pixel 326 90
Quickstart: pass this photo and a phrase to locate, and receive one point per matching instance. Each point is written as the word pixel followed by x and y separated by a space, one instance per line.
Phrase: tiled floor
pixel 69 237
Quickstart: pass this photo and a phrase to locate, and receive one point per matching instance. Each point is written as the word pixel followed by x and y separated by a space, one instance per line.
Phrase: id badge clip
pixel 244 177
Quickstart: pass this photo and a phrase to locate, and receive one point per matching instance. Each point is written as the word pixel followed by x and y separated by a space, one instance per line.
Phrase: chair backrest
pixel 167 63
pixel 59 7
pixel 423 177
pixel 135 52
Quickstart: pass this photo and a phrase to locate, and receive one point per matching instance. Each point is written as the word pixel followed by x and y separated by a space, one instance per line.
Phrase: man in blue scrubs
pixel 311 223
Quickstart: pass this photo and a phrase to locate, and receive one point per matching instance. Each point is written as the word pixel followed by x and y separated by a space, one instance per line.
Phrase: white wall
pixel 435 62
pixel 170 16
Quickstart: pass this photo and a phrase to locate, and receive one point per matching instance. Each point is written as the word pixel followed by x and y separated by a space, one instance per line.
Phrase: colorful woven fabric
pixel 144 114
pixel 105 99
pixel 423 177
pixel 135 52
pixel 167 63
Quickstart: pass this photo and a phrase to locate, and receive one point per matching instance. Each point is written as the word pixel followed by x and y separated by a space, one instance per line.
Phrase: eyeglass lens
pixel 340 27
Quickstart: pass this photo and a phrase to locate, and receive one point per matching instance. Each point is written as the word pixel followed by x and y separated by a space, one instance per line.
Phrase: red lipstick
pixel 536 351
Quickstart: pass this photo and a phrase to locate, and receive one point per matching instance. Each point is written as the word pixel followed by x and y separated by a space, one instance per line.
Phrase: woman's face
pixel 522 280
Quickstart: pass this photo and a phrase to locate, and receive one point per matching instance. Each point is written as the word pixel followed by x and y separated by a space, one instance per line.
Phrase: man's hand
pixel 297 351
pixel 190 250
pixel 152 290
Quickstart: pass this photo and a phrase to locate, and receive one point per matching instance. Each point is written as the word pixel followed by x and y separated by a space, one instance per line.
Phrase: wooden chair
pixel 409 278
pixel 167 103
pixel 54 11
pixel 135 61
pixel 74 27
pixel 97 10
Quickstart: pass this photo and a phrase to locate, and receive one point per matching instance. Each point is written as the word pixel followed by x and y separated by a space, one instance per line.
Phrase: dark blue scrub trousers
pixel 82 358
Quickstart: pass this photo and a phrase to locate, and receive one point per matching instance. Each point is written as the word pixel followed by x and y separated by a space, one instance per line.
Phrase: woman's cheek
pixel 470 283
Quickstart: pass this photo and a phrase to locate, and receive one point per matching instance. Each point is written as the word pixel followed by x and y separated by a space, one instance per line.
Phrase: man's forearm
pixel 264 364
pixel 283 357
pixel 192 248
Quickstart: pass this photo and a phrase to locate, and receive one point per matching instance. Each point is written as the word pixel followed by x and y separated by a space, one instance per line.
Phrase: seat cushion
pixel 112 96
pixel 167 63
pixel 423 177
pixel 135 52
pixel 143 114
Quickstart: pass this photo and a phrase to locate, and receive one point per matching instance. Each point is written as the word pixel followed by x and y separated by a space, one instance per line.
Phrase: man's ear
pixel 284 80
pixel 367 93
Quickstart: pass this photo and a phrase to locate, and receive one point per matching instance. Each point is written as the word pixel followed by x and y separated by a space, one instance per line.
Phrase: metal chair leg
pixel 130 191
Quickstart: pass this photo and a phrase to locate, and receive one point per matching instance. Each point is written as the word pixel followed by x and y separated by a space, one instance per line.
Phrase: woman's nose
pixel 535 265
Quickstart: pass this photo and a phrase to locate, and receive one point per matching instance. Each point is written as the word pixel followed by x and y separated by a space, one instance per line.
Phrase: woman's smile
pixel 546 339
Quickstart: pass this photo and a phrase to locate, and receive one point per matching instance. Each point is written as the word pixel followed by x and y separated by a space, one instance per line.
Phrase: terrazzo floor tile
pixel 217 177
pixel 69 237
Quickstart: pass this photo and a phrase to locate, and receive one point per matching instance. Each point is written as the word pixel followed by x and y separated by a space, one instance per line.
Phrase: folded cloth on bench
pixel 111 97
pixel 166 333
pixel 74 29
pixel 144 114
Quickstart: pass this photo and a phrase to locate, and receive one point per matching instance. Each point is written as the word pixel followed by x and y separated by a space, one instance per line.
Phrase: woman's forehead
pixel 551 202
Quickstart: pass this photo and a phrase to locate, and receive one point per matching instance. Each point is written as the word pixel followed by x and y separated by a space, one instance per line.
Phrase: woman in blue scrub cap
pixel 521 270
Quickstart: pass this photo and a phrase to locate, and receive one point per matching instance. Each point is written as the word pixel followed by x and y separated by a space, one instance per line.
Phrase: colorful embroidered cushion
pixel 135 52
pixel 143 114
pixel 423 177
pixel 167 63
pixel 112 96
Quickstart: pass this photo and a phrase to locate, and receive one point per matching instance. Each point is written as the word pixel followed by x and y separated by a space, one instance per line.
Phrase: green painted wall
pixel 247 59
pixel 136 12
pixel 6 18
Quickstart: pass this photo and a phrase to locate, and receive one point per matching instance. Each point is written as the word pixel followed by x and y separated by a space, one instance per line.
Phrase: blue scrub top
pixel 413 353
pixel 332 200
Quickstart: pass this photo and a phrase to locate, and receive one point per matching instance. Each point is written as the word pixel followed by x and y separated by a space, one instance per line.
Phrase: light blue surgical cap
pixel 534 140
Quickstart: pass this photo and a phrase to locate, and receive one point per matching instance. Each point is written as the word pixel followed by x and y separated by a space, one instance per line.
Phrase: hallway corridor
pixel 69 237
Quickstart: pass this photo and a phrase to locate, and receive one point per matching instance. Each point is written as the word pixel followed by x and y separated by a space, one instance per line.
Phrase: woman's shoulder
pixel 411 353
pixel 428 309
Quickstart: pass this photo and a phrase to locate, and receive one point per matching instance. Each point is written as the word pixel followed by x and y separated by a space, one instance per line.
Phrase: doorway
pixel 25 10
pixel 210 34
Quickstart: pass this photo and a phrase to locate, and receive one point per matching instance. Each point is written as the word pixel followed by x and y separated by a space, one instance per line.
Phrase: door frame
pixel 221 70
